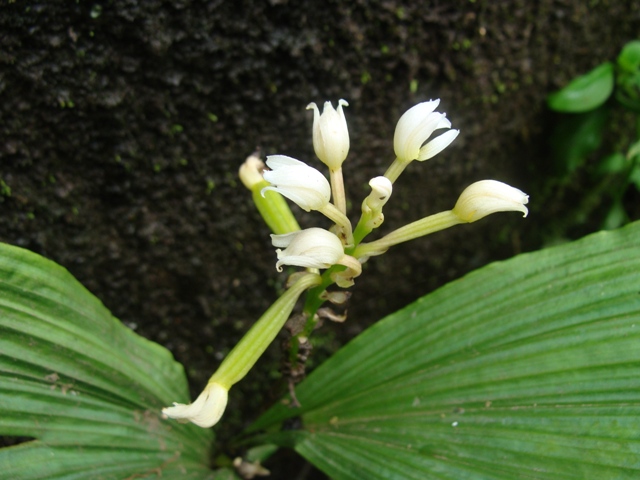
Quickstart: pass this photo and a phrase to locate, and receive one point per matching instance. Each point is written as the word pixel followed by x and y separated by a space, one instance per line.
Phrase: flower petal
pixel 435 146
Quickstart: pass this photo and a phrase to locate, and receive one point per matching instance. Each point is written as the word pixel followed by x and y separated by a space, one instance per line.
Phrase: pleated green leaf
pixel 528 368
pixel 85 388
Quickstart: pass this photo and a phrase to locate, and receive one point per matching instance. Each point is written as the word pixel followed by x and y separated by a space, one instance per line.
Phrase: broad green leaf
pixel 528 368
pixel 585 92
pixel 87 389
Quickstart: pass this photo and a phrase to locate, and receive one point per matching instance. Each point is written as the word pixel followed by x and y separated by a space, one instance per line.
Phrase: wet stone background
pixel 123 124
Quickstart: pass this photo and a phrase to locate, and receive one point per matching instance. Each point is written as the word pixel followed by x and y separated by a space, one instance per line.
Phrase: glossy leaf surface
pixel 528 368
pixel 84 387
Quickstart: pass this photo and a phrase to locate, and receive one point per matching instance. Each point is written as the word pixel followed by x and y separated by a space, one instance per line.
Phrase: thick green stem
pixel 274 210
pixel 362 229
pixel 250 347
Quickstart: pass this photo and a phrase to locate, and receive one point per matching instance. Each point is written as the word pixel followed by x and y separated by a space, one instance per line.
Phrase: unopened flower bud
pixel 330 134
pixel 310 248
pixel 250 172
pixel 415 127
pixel 297 181
pixel 489 196
pixel 206 410
pixel 381 188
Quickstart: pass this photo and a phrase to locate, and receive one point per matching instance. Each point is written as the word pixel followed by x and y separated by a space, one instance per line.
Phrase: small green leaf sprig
pixel 588 101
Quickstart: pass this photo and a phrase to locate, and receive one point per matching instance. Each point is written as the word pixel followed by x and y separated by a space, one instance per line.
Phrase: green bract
pixel 585 92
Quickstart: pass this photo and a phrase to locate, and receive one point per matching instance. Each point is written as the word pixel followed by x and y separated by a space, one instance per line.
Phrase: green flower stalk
pixel 476 201
pixel 208 408
pixel 419 228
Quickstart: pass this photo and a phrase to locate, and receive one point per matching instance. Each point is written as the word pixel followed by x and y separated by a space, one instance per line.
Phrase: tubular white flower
pixel 330 134
pixel 415 127
pixel 310 248
pixel 489 196
pixel 206 410
pixel 297 181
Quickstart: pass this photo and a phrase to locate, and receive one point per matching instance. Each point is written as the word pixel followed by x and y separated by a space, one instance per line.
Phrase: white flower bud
pixel 330 134
pixel 415 127
pixel 489 196
pixel 250 172
pixel 381 188
pixel 310 248
pixel 206 410
pixel 297 181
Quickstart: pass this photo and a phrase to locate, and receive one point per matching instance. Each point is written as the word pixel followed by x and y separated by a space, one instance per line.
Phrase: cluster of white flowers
pixel 339 250
pixel 317 248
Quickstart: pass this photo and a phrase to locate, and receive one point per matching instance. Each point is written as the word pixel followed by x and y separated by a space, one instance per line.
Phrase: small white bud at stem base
pixel 206 410
pixel 250 172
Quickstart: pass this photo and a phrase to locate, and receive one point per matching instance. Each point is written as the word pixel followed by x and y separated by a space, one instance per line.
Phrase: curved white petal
pixel 489 196
pixel 413 129
pixel 311 248
pixel 297 181
pixel 435 146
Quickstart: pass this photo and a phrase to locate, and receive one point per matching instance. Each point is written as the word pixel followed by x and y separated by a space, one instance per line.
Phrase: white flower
pixel 415 127
pixel 207 409
pixel 330 134
pixel 310 248
pixel 297 181
pixel 489 196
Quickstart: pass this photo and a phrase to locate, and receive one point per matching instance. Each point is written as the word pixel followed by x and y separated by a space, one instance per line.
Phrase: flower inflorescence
pixel 340 251
pixel 413 140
